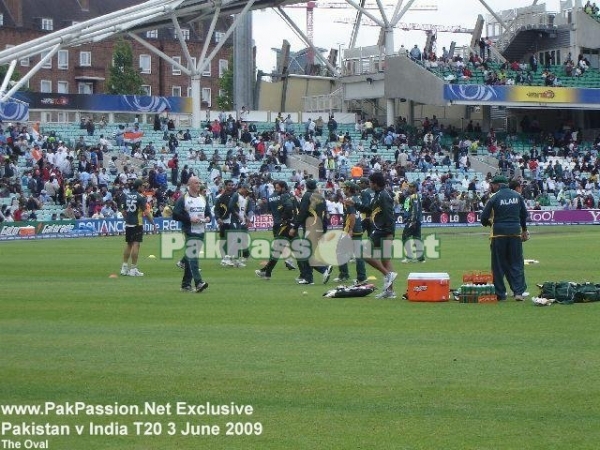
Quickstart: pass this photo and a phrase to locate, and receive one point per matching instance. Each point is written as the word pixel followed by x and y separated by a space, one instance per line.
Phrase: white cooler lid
pixel 428 276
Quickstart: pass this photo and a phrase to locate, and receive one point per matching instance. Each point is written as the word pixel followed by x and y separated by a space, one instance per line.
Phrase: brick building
pixel 84 69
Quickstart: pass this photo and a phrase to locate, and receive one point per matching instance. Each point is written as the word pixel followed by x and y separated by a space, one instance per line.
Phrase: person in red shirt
pixel 18 214
pixel 215 128
pixel 260 148
pixel 533 167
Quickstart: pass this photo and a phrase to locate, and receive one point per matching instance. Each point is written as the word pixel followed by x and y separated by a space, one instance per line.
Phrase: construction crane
pixel 430 29
pixel 425 5
pixel 414 26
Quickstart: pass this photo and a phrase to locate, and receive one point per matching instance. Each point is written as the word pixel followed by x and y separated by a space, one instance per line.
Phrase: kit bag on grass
pixel 561 291
pixel 350 291
pixel 587 292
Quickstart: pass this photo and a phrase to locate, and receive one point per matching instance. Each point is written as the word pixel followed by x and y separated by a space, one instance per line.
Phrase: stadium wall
pixel 111 227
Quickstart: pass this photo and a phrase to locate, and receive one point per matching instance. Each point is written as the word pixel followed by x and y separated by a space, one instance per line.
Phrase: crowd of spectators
pixel 522 72
pixel 86 180
pixel 592 9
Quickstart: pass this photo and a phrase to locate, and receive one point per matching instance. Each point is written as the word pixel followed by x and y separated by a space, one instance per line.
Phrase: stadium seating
pixel 70 133
pixel 589 79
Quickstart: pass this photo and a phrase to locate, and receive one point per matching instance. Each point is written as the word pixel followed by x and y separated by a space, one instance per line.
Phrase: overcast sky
pixel 269 29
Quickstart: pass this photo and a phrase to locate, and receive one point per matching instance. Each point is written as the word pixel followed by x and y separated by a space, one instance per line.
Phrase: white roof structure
pixel 153 14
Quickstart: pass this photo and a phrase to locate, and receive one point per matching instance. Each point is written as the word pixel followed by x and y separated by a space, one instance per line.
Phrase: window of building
pixel 1 20
pixel 85 59
pixel 62 117
pixel 207 72
pixel 147 89
pixel 48 63
pixel 46 86
pixel 47 24
pixel 186 34
pixel 145 63
pixel 176 91
pixel 24 62
pixel 63 59
pixel 174 69
pixel 84 87
pixel 219 36
pixel 223 67
pixel 189 91
pixel 152 34
pixel 206 96
pixel 62 87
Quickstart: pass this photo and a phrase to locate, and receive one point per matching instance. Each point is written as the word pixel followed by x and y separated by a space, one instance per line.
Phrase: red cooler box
pixel 428 287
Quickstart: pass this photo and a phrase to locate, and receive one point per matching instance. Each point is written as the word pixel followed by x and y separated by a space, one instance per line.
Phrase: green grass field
pixel 319 373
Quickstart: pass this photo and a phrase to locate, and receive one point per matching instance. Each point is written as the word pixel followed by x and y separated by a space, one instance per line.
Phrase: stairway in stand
pixel 304 162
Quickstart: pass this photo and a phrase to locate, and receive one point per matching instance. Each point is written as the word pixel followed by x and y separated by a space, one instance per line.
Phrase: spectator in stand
pixel 35 202
pixel 90 127
pixel 289 124
pixel 367 129
pixel 20 214
pixel 319 125
pixel 466 73
pixel 533 63
pixel 6 214
pixel 569 68
pixel 161 179
pixel 108 210
pixel 415 53
pixel 582 63
pixel 482 47
pixel 332 125
pixel 174 166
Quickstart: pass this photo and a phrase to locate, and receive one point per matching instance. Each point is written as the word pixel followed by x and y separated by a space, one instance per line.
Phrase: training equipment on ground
pixel 541 301
pixel 350 291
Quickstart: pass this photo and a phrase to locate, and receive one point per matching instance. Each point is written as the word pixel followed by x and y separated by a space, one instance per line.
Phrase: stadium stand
pixel 448 183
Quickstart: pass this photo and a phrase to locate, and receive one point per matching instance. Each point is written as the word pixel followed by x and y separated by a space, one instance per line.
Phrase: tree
pixel 16 76
pixel 225 100
pixel 124 77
